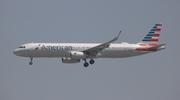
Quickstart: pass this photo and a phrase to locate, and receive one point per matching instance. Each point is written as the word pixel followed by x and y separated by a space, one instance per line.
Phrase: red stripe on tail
pixel 160 24
pixel 158 29
pixel 154 40
pixel 156 35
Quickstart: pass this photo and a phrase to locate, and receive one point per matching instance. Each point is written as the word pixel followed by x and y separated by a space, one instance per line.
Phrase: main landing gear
pixel 31 59
pixel 87 64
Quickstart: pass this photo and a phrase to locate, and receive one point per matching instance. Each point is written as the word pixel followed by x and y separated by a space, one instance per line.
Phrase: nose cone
pixel 19 52
pixel 15 52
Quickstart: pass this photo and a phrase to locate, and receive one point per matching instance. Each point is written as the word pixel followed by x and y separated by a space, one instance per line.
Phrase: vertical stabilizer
pixel 153 36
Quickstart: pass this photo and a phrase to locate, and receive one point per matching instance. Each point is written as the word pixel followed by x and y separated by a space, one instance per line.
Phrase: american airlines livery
pixel 74 52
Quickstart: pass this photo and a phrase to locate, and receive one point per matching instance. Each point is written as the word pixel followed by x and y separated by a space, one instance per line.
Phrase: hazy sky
pixel 154 76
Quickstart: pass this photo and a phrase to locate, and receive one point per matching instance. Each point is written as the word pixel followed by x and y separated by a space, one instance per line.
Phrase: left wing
pixel 94 50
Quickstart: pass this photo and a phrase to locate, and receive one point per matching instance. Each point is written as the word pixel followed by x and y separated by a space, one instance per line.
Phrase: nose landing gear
pixel 31 59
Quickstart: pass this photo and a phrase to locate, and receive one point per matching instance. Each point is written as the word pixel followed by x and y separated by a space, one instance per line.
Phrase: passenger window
pixel 22 47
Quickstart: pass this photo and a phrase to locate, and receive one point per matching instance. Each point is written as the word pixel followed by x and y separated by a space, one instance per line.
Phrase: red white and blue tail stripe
pixel 153 36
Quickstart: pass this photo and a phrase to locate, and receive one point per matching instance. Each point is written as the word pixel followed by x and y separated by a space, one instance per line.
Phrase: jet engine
pixel 69 60
pixel 77 55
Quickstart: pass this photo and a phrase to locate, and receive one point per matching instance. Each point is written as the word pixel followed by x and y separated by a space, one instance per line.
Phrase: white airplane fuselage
pixel 74 52
pixel 64 49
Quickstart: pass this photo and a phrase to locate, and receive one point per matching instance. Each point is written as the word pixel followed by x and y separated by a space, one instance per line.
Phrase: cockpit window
pixel 22 47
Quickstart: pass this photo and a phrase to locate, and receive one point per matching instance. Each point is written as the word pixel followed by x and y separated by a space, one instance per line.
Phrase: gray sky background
pixel 149 77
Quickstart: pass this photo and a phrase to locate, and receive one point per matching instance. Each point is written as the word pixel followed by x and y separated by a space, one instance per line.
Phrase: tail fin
pixel 153 36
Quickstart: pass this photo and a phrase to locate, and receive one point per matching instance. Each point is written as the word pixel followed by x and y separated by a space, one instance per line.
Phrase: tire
pixel 91 61
pixel 30 63
pixel 86 64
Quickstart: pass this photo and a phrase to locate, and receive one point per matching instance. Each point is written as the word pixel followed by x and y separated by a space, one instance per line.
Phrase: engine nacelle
pixel 69 60
pixel 77 55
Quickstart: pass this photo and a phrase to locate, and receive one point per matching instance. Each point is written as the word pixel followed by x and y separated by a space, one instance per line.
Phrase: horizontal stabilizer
pixel 158 46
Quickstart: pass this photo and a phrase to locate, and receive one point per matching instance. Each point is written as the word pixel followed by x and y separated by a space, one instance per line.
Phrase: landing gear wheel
pixel 91 61
pixel 86 64
pixel 30 63
pixel 31 59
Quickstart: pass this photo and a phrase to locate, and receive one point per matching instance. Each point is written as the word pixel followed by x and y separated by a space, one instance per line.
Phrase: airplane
pixel 75 52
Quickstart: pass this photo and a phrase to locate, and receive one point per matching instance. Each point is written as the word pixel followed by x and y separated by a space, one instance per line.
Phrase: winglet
pixel 117 36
